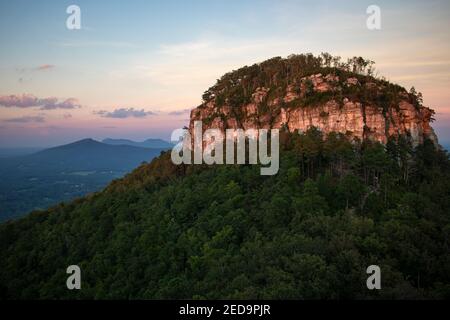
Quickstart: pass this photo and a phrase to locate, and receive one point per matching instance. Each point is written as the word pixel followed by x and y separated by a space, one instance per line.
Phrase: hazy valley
pixel 40 179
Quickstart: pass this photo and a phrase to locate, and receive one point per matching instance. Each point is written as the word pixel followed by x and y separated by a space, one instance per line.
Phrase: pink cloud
pixel 45 67
pixel 31 101
pixel 26 119
pixel 123 113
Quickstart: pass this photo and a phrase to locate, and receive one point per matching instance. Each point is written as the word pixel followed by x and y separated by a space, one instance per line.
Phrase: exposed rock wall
pixel 344 115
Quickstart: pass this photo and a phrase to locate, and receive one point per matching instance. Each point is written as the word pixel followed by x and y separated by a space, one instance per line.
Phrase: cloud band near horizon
pixel 123 113
pixel 31 101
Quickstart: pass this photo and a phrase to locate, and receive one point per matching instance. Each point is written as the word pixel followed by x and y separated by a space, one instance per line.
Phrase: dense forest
pixel 165 231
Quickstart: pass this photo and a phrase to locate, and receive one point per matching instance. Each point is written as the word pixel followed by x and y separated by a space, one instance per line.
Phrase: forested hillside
pixel 309 232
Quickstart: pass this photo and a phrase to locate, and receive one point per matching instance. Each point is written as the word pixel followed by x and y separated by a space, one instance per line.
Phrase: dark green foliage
pixel 236 88
pixel 308 232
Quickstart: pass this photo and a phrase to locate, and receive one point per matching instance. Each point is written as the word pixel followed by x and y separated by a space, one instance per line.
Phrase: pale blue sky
pixel 159 57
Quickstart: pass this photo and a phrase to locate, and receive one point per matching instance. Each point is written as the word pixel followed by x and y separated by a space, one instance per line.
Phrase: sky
pixel 136 67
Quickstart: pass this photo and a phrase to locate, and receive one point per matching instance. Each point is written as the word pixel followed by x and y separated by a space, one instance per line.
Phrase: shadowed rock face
pixel 359 106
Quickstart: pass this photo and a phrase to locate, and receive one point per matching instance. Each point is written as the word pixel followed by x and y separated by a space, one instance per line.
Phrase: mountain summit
pixel 305 91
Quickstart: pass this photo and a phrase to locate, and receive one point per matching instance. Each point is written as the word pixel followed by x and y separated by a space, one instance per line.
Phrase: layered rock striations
pixel 330 99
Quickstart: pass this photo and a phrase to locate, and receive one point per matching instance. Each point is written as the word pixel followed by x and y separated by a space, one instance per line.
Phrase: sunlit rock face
pixel 333 112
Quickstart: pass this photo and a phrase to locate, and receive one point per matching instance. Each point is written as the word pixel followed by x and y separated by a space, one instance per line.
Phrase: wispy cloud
pixel 180 112
pixel 45 67
pixel 194 65
pixel 218 48
pixel 123 113
pixel 31 101
pixel 26 119
pixel 83 44
pixel 70 103
pixel 42 67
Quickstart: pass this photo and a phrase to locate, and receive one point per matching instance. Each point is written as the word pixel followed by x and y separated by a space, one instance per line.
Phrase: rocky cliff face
pixel 356 105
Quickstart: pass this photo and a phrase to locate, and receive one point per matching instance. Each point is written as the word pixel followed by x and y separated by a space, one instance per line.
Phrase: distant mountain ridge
pixel 446 146
pixel 93 154
pixel 63 173
pixel 149 143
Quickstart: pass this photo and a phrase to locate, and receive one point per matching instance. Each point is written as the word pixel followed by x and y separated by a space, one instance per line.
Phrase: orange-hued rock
pixel 362 120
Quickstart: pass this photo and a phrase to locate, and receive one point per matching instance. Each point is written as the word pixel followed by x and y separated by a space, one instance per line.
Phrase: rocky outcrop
pixel 339 109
